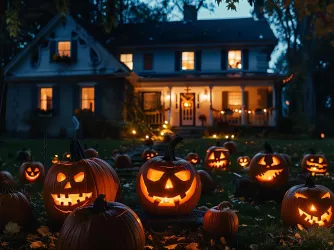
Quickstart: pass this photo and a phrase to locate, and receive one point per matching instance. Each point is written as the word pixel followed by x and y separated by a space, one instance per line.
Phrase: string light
pixel 146 136
pixel 134 132
pixel 214 136
pixel 286 80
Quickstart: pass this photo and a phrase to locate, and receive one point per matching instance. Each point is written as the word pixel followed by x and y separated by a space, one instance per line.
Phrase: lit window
pixel 88 99
pixel 151 101
pixel 188 60
pixel 127 59
pixel 45 101
pixel 64 49
pixel 234 100
pixel 234 59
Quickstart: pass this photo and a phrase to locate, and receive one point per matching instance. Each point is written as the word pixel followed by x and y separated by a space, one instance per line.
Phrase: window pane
pixel 234 59
pixel 64 48
pixel 150 101
pixel 234 100
pixel 188 60
pixel 45 98
pixel 88 98
pixel 127 60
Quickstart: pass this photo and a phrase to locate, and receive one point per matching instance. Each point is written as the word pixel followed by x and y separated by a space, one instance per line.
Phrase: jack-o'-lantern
pixel 72 184
pixel 55 159
pixel 168 185
pixel 193 158
pixel 32 172
pixel 231 146
pixel 217 157
pixel 66 156
pixel 91 153
pixel 243 161
pixel 308 205
pixel 123 161
pixel 314 163
pixel 269 168
pixel 148 154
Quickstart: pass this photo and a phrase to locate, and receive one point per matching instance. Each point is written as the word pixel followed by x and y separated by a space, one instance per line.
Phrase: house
pixel 189 73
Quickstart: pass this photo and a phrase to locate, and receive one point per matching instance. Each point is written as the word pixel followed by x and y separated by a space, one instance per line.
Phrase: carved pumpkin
pixel 314 163
pixel 102 226
pixel 23 155
pixel 32 172
pixel 221 220
pixel 308 205
pixel 55 159
pixel 72 184
pixel 6 176
pixel 123 161
pixel 243 161
pixel 269 168
pixel 148 154
pixel 14 206
pixel 168 185
pixel 91 153
pixel 217 157
pixel 66 156
pixel 231 146
pixel 193 158
pixel 207 183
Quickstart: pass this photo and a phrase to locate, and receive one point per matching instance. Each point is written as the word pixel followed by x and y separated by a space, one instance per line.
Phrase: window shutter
pixel 198 60
pixel 225 100
pixel 53 49
pixel 223 59
pixel 35 96
pixel 56 100
pixel 246 94
pixel 74 50
pixel 76 97
pixel 98 98
pixel 148 61
pixel 177 60
pixel 245 58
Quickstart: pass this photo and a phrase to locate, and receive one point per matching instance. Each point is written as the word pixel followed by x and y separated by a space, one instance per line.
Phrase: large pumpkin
pixel 168 185
pixel 73 184
pixel 14 206
pixel 221 220
pixel 308 205
pixel 148 154
pixel 123 161
pixel 193 158
pixel 207 183
pixel 32 172
pixel 269 168
pixel 217 157
pixel 102 226
pixel 314 163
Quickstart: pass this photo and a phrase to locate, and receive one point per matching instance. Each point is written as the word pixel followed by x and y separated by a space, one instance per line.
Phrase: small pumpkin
pixel 14 206
pixel 55 159
pixel 72 184
pixel 32 172
pixel 217 157
pixel 148 154
pixel 23 155
pixel 102 226
pixel 66 156
pixel 314 163
pixel 207 183
pixel 231 146
pixel 148 141
pixel 221 220
pixel 91 153
pixel 123 161
pixel 193 158
pixel 269 168
pixel 308 205
pixel 243 161
pixel 168 185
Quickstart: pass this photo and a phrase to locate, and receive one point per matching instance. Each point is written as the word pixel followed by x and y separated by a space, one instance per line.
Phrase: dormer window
pixel 127 59
pixel 188 60
pixel 64 48
pixel 234 59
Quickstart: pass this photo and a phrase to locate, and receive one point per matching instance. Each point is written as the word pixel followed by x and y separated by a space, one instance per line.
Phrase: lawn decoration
pixel 308 205
pixel 102 226
pixel 55 159
pixel 243 161
pixel 91 153
pixel 66 156
pixel 269 168
pixel 314 163
pixel 193 158
pixel 14 206
pixel 217 157
pixel 168 185
pixel 148 154
pixel 207 183
pixel 73 184
pixel 23 155
pixel 123 161
pixel 32 172
pixel 221 220
pixel 231 146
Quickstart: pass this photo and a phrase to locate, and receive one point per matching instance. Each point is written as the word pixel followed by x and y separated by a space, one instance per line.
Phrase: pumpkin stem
pixel 77 153
pixel 267 148
pixel 223 205
pixel 312 151
pixel 218 144
pixel 309 182
pixel 170 150
pixel 100 204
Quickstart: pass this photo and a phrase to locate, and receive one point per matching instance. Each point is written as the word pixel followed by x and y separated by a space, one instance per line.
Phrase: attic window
pixel 234 59
pixel 64 48
pixel 188 60
pixel 127 59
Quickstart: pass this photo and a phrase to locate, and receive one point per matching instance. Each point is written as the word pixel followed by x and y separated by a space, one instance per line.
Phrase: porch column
pixel 210 112
pixel 170 104
pixel 274 106
pixel 243 104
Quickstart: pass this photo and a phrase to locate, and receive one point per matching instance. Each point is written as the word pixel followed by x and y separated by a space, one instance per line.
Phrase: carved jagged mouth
pixel 194 161
pixel 314 219
pixel 269 175
pixel 316 167
pixel 32 178
pixel 243 164
pixel 218 164
pixel 69 200
pixel 168 201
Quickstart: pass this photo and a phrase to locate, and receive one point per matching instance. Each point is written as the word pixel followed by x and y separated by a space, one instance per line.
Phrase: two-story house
pixel 189 73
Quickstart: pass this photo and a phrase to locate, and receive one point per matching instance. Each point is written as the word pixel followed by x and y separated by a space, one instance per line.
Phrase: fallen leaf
pixel 149 247
pixel 254 247
pixel 270 216
pixel 192 246
pixel 53 238
pixel 169 237
pixel 227 248
pixel 150 237
pixel 181 238
pixel 11 228
pixel 173 246
pixel 4 243
pixel 37 244
pixel 127 185
pixel 222 239
pixel 44 231
pixel 297 235
pixel 243 225
pixel 31 237
pixel 212 242
pixel 52 245
pixel 300 227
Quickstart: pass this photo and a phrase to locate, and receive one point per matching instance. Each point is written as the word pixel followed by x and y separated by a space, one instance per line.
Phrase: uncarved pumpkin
pixel 231 146
pixel 91 153
pixel 6 176
pixel 123 161
pixel 23 155
pixel 102 226
pixel 32 172
pixel 207 183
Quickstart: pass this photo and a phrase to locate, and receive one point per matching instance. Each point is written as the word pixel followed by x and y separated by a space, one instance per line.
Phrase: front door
pixel 187 109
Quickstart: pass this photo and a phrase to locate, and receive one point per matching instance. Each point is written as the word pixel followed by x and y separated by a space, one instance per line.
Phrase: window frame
pixel 40 98
pixel 158 100
pixel 126 62
pixel 241 60
pixel 152 61
pixel 194 64
pixel 88 99
pixel 63 41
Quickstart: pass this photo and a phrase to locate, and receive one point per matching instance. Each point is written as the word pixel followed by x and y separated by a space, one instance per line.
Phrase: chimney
pixel 189 12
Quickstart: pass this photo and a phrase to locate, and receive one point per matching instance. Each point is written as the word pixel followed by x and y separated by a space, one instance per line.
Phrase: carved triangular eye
pixel 326 195
pixel 212 156
pixel 61 177
pixel 29 170
pixel 154 175
pixel 275 162
pixel 183 175
pixel 262 162
pixel 321 160
pixel 298 195
pixel 222 156
pixel 36 170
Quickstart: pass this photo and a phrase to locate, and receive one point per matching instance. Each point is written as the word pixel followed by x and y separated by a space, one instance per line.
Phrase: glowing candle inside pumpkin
pixel 313 208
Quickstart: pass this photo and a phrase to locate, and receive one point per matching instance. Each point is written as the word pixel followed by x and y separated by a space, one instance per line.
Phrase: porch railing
pixel 156 117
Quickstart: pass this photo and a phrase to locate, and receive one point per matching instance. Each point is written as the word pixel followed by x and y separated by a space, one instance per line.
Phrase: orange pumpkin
pixel 32 172
pixel 217 157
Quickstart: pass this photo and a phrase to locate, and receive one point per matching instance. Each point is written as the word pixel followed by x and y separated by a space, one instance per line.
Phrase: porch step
pixel 189 132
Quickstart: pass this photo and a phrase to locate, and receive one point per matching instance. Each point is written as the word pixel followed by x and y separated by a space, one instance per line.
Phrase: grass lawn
pixel 260 225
